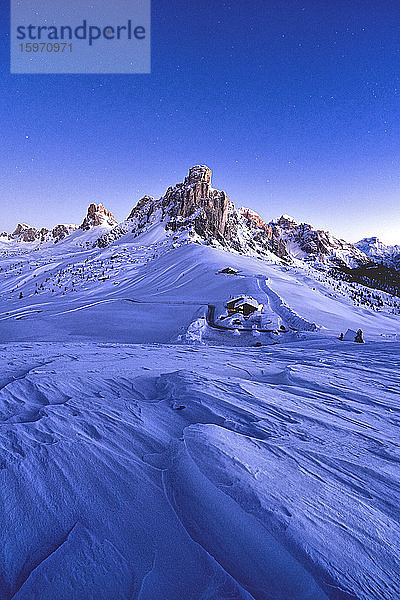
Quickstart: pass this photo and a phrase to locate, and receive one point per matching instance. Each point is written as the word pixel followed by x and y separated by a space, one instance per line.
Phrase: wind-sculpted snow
pixel 183 472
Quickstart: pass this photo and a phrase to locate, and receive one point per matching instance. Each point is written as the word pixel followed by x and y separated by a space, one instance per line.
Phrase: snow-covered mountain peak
pixel 371 241
pixel 191 206
pixel 304 242
pixel 97 215
pixel 287 221
pixel 379 252
pixel 194 211
pixel 374 247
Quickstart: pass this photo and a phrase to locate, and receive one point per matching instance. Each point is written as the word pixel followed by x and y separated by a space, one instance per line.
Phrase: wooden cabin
pixel 229 271
pixel 245 305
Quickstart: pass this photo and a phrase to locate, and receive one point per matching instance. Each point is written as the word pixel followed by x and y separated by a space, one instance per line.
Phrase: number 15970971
pixel 45 47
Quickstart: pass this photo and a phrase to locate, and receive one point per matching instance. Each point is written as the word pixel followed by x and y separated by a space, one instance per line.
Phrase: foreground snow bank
pixel 171 472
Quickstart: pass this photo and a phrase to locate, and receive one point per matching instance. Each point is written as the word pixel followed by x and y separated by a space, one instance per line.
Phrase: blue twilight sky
pixel 295 105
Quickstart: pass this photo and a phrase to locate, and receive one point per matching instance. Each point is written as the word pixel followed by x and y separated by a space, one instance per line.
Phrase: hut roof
pixel 242 300
pixel 249 301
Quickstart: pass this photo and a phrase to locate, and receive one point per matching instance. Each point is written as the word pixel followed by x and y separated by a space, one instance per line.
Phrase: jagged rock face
pixel 59 232
pixel 276 244
pixel 145 207
pixel 97 215
pixel 287 237
pixel 287 222
pixel 265 233
pixel 379 252
pixel 195 196
pixel 309 240
pixel 315 244
pixel 253 219
pixel 25 233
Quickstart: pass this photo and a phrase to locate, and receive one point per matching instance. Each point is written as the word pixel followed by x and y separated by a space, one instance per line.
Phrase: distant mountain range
pixel 380 253
pixel 208 216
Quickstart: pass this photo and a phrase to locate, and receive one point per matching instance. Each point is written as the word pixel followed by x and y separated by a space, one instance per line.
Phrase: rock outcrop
pixel 212 214
pixel 26 233
pixel 97 215
pixel 195 207
pixel 59 232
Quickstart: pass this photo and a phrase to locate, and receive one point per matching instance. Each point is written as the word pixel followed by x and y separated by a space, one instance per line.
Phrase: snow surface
pixel 145 471
pixel 146 290
pixel 147 453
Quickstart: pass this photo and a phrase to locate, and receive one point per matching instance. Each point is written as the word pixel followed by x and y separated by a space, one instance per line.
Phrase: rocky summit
pixel 97 215
pixel 212 214
pixel 26 233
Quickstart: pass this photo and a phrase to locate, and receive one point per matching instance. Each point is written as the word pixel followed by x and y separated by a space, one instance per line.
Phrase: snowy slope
pixel 151 287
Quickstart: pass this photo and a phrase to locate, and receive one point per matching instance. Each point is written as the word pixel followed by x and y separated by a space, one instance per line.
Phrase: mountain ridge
pixel 206 215
pixel 380 253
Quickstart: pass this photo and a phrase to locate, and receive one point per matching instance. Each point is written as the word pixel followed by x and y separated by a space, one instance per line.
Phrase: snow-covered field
pixel 166 472
pixel 145 455
pixel 72 291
